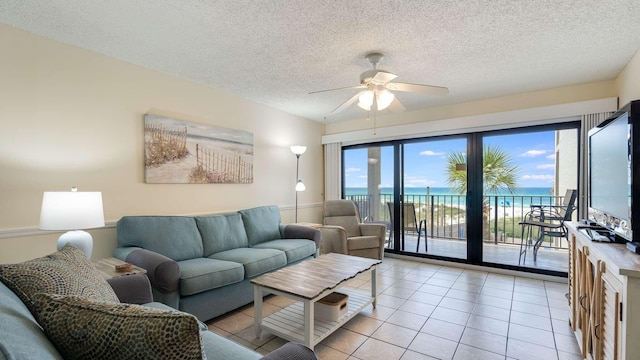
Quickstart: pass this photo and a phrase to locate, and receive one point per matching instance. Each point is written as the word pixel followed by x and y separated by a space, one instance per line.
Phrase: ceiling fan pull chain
pixel 374 108
pixel 375 115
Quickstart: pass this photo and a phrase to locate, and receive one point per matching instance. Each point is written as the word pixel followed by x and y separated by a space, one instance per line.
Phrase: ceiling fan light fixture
pixel 377 86
pixel 364 107
pixel 365 100
pixel 384 98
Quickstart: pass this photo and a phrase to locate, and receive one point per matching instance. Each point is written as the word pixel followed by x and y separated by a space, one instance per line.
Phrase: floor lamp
pixel 298 150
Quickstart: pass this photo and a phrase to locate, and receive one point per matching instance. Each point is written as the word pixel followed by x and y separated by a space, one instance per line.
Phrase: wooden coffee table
pixel 308 282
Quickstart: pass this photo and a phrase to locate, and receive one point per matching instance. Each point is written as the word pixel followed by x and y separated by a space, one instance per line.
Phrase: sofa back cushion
pixel 221 232
pixel 261 224
pixel 176 237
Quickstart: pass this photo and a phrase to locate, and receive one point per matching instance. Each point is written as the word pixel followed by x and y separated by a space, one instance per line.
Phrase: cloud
pixel 348 170
pixel 538 177
pixel 533 153
pixel 430 153
pixel 417 181
pixel 551 156
pixel 546 166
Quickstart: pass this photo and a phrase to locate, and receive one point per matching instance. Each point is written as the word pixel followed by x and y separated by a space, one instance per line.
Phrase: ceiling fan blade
pixel 347 103
pixel 383 77
pixel 417 88
pixel 396 106
pixel 342 88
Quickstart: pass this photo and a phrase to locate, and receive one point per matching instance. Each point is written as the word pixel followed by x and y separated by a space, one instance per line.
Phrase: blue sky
pixel 533 153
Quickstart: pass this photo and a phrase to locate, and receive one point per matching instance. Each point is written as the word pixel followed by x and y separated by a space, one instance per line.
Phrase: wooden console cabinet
pixel 604 297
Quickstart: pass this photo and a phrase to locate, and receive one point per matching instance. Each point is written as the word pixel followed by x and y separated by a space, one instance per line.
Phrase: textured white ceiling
pixel 275 51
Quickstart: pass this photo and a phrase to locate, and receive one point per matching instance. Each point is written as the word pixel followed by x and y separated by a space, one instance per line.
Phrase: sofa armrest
pixel 163 272
pixel 132 289
pixel 291 351
pixel 303 232
pixel 334 239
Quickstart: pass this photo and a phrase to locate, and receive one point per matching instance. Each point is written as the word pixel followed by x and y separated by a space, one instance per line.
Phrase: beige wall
pixel 628 82
pixel 71 117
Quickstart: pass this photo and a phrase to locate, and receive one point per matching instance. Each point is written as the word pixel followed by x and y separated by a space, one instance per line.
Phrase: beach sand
pixel 508 212
pixel 173 172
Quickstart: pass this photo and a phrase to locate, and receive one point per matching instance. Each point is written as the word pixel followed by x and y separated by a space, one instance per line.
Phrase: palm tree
pixel 498 173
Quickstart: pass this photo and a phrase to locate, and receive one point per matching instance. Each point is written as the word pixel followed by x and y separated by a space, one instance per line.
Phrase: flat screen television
pixel 614 177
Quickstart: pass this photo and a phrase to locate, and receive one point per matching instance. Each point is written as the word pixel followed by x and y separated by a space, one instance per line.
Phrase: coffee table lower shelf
pixel 288 323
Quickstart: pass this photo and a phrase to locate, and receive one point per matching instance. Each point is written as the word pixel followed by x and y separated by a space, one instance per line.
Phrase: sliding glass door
pixel 368 178
pixel 434 193
pixel 420 183
pixel 523 173
pixel 464 197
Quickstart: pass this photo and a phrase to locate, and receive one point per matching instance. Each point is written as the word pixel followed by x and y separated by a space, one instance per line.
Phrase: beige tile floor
pixel 428 311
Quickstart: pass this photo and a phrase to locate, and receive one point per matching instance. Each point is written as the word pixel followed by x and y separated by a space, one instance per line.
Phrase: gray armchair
pixel 343 233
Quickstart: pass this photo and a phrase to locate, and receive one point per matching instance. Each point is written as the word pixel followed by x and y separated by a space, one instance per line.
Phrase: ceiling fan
pixel 378 87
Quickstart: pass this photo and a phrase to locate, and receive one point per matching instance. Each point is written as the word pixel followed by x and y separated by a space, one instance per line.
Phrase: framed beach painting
pixel 182 152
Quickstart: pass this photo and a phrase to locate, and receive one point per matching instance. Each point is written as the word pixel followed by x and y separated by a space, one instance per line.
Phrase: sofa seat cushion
pixel 202 274
pixel 363 242
pixel 255 261
pixel 221 232
pixel 65 272
pixel 294 249
pixel 85 329
pixel 20 335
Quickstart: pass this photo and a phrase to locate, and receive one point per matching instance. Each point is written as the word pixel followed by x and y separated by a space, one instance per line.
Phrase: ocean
pixel 522 197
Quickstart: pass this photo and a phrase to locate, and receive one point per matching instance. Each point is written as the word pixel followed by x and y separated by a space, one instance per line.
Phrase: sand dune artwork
pixel 182 152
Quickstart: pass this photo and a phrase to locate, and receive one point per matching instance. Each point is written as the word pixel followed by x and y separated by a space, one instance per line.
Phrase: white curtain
pixel 332 171
pixel 588 121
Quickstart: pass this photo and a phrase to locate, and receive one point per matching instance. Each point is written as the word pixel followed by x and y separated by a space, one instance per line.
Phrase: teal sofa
pixel 203 264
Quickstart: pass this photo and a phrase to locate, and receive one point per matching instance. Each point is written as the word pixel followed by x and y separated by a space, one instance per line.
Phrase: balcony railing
pixel 445 215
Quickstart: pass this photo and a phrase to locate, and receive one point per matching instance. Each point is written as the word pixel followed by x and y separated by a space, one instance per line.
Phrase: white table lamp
pixel 75 211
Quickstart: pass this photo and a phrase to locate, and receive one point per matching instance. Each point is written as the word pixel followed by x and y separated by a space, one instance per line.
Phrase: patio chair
pixel 548 220
pixel 343 233
pixel 411 223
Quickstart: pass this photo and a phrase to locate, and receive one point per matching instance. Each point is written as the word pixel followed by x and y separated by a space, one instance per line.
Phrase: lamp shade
pixel 300 186
pixel 384 98
pixel 71 210
pixel 365 100
pixel 298 149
